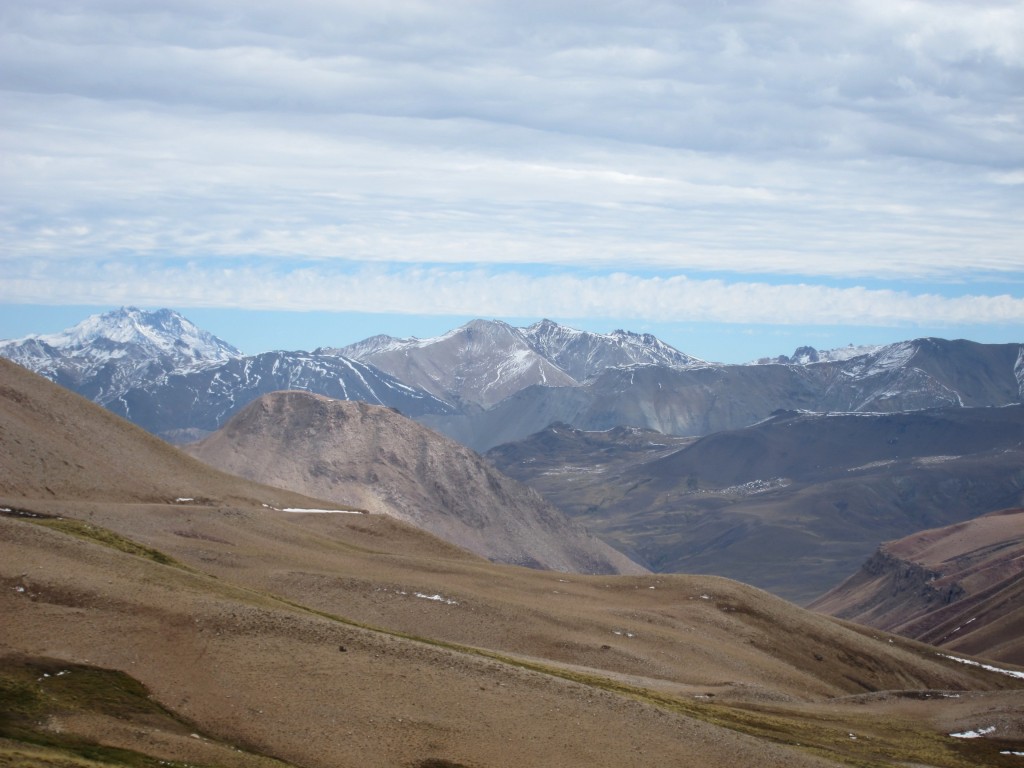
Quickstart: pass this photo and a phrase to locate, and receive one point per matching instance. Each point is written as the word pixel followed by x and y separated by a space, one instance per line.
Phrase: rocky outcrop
pixel 959 587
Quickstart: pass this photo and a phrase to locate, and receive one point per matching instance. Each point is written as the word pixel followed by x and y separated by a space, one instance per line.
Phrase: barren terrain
pixel 794 504
pixel 309 638
pixel 959 587
pixel 371 456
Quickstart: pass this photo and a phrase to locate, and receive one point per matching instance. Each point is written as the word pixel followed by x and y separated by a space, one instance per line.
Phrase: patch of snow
pixel 1015 754
pixel 437 598
pixel 1018 371
pixel 987 667
pixel 974 734
pixel 924 460
pixel 756 486
pixel 321 511
pixel 570 469
pixel 183 499
pixel 873 465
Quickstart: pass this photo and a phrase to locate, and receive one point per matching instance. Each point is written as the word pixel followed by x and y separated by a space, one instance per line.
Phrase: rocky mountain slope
pixel 924 373
pixel 377 459
pixel 486 361
pixel 483 362
pixel 793 504
pixel 221 631
pixel 959 587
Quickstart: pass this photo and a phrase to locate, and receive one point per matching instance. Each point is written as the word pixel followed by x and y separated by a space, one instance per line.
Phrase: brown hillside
pixel 268 638
pixel 959 587
pixel 377 459
pixel 53 447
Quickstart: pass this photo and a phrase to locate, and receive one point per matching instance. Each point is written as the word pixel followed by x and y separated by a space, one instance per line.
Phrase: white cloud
pixel 870 140
pixel 433 291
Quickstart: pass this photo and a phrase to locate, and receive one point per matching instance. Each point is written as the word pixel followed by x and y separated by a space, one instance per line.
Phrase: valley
pixel 793 504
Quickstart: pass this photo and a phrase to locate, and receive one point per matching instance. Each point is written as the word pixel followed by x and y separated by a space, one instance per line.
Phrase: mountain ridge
pixel 488 382
pixel 824 490
pixel 106 355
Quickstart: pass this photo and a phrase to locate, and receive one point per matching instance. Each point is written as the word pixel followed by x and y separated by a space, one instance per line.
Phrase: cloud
pixel 777 143
pixel 478 292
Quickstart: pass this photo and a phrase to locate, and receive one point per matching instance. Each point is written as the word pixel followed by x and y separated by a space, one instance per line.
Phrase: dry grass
pixel 345 641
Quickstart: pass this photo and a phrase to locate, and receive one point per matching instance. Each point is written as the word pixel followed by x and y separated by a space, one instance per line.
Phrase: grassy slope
pixel 354 640
pixel 422 649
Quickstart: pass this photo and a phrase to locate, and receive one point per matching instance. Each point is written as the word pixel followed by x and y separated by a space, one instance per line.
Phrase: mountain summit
pixel 485 361
pixel 106 355
pixel 583 354
pixel 372 457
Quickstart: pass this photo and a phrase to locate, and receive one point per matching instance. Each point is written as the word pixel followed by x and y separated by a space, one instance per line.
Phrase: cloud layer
pixel 738 161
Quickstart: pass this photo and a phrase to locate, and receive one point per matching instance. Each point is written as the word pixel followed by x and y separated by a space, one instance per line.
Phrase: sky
pixel 739 178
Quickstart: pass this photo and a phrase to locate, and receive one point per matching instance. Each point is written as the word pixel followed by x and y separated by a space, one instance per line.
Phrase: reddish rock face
pixel 958 587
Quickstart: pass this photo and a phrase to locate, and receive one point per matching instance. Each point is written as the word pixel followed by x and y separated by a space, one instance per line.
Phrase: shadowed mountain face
pixel 377 459
pixel 959 587
pixel 699 400
pixel 794 504
pixel 198 402
pixel 141 629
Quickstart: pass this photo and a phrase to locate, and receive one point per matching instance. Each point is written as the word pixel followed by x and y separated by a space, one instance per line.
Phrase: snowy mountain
pixel 582 354
pixel 808 355
pixel 184 406
pixel 699 400
pixel 483 362
pixel 162 372
pixel 486 361
pixel 488 382
pixel 106 355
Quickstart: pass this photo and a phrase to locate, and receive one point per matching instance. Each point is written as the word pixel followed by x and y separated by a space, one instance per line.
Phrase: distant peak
pixel 162 330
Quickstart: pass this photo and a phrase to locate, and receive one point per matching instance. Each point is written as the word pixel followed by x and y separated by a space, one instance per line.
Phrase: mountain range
pixel 107 355
pixel 699 400
pixel 484 362
pixel 488 383
pixel 158 611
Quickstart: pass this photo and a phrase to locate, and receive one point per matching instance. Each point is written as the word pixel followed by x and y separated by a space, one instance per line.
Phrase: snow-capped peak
pixel 119 349
pixel 584 353
pixel 163 331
